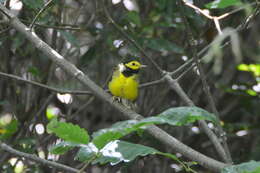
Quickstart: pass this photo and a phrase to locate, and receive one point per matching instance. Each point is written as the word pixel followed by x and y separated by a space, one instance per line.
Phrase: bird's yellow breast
pixel 124 87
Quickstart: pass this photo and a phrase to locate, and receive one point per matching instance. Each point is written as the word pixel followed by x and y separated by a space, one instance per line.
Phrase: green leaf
pixel 62 147
pixel 87 153
pixel 101 140
pixel 27 145
pixel 9 129
pixel 257 170
pixel 68 132
pixel 134 17
pixel 70 38
pixel 253 68
pixel 223 4
pixel 174 116
pixel 248 167
pixel 118 130
pixel 34 4
pixel 52 112
pixel 243 67
pixel 185 115
pixel 34 71
pixel 251 92
pixel 162 45
pixel 118 151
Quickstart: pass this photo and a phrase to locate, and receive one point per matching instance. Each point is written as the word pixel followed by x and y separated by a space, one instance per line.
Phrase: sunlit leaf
pixel 118 151
pixel 52 112
pixel 68 132
pixel 223 3
pixel 243 67
pixel 253 68
pixel 251 92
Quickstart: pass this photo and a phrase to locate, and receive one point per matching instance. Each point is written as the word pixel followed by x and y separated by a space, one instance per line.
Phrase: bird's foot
pixel 116 99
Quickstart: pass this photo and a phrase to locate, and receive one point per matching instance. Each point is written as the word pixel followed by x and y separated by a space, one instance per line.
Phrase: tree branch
pixel 65 91
pixel 9 149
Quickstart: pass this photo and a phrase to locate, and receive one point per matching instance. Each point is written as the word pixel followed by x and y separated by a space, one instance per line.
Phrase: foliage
pixel 223 4
pixel 68 132
pixel 8 129
pixel 253 68
pixel 105 146
pixel 173 116
pixel 34 4
pixel 248 167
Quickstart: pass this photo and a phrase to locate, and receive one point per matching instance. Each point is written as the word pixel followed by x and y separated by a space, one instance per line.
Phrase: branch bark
pixel 9 149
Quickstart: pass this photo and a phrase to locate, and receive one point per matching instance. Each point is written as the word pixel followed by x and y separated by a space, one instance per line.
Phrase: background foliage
pixel 82 33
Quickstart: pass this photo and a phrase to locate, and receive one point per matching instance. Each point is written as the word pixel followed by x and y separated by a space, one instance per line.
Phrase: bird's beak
pixel 143 66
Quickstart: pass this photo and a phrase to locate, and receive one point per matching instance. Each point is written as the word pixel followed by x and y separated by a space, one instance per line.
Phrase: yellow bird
pixel 124 83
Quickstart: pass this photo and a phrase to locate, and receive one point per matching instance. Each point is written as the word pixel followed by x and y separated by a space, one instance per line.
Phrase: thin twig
pixel 206 14
pixel 190 61
pixel 62 91
pixel 60 27
pixel 190 64
pixel 87 163
pixel 9 149
pixel 65 91
pixel 46 6
pixel 185 72
pixel 216 18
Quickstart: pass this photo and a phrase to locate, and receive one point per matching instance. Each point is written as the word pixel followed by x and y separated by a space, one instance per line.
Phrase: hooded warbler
pixel 124 83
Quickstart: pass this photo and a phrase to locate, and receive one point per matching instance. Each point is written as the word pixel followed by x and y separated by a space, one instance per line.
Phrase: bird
pixel 125 80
